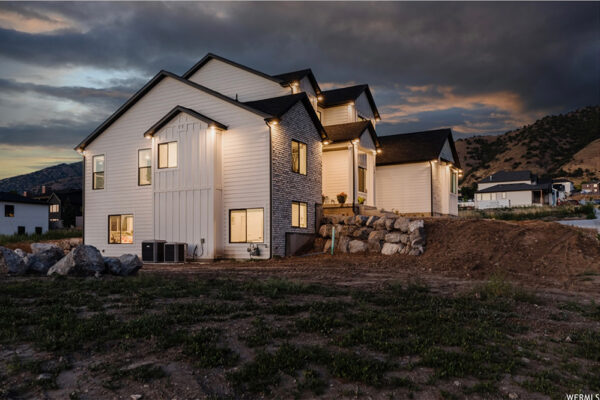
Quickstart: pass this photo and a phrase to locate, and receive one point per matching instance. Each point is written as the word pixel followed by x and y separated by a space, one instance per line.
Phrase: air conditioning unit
pixel 175 252
pixel 153 251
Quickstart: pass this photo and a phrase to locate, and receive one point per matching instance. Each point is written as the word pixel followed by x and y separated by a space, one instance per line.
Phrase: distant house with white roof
pixel 513 189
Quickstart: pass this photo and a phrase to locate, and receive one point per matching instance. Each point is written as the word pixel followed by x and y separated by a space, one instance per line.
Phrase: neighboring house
pixel 66 208
pixel 417 173
pixel 513 189
pixel 22 215
pixel 590 188
pixel 563 188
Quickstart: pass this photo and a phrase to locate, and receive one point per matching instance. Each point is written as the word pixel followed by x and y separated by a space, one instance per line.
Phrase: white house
pixel 417 173
pixel 22 215
pixel 563 187
pixel 513 189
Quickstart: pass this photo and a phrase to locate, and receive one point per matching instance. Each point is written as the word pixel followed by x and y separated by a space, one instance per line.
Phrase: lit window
pixel 120 229
pixel 299 216
pixel 54 208
pixel 503 195
pixel 167 155
pixel 298 157
pixel 9 211
pixel 453 182
pixel 362 179
pixel 98 172
pixel 144 167
pixel 246 226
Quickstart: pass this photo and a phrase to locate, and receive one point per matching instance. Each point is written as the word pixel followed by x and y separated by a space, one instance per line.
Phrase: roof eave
pixel 176 111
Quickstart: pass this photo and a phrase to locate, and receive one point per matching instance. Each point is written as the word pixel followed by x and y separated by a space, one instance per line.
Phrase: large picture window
pixel 362 180
pixel 246 226
pixel 120 229
pixel 144 167
pixel 298 157
pixel 167 155
pixel 98 172
pixel 299 215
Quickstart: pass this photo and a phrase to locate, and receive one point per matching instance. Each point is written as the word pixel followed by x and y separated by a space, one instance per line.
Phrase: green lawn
pixel 284 338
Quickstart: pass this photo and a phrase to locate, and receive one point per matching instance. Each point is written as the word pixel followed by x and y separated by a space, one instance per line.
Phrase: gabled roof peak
pixel 212 56
pixel 176 111
pixel 340 96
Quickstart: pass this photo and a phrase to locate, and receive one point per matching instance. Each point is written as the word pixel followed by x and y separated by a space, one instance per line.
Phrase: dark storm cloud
pixel 54 133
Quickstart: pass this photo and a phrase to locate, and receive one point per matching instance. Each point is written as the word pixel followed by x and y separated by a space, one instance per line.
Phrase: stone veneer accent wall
pixel 288 186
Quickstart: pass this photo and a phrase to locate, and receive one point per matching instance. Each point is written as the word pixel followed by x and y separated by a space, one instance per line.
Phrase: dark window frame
pixel 246 209
pixel 298 142
pixel 292 216
pixel 8 214
pixel 158 154
pixel 39 230
pixel 364 179
pixel 94 172
pixel 140 168
pixel 120 230
pixel 21 230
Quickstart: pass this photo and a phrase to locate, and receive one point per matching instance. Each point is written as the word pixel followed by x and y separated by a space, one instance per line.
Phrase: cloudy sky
pixel 479 68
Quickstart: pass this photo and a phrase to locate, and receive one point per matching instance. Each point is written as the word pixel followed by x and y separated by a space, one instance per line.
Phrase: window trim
pixel 158 155
pixel 94 172
pixel 13 211
pixel 292 216
pixel 139 168
pixel 120 230
pixel 246 209
pixel 299 160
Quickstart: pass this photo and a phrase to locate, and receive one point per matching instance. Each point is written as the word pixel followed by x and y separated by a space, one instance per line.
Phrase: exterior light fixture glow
pixel 148 136
pixel 377 118
pixel 326 141
pixel 355 141
pixel 320 98
pixel 80 150
pixel 378 151
pixel 295 84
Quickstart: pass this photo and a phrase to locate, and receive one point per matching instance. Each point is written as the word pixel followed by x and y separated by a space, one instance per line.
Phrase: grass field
pixel 180 336
pixel 548 213
pixel 56 234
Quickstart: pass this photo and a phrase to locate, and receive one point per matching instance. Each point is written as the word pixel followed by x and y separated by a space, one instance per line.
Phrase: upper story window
pixel 98 172
pixel 9 210
pixel 144 167
pixel 54 208
pixel 298 157
pixel 299 214
pixel 453 182
pixel 167 155
pixel 246 225
pixel 362 173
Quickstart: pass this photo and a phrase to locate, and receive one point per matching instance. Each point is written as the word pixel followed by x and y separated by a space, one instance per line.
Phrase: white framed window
pixel 298 157
pixel 453 182
pixel 120 229
pixel 299 214
pixel 98 172
pixel 54 208
pixel 144 167
pixel 246 225
pixel 167 155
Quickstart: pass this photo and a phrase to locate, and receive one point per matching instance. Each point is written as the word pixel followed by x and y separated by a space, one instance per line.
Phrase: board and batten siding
pixel 337 173
pixel 233 81
pixel 405 188
pixel 245 165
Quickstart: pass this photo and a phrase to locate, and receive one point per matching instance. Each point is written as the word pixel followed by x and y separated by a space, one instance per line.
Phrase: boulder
pixel 362 233
pixel 349 220
pixel 337 219
pixel 404 238
pixel 374 246
pixel 389 223
pixel 325 231
pixel 112 265
pixel 350 229
pixel 341 229
pixel 401 224
pixel 82 260
pixel 20 253
pixel 43 258
pixel 130 264
pixel 376 236
pixel 11 262
pixel 416 224
pixel 342 244
pixel 379 224
pixel 327 247
pixel 372 219
pixel 40 247
pixel 357 246
pixel 317 245
pixel 361 220
pixel 389 248
pixel 416 251
pixel 393 237
pixel 417 242
pixel 405 250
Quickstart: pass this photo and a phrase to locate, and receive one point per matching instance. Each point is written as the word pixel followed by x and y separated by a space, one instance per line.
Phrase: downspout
pixel 354 200
pixel 82 202
pixel 431 186
pixel 270 191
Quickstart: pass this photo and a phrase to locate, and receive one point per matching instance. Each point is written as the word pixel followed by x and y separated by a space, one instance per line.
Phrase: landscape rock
pixel 350 229
pixel 357 246
pixel 416 224
pixel 361 220
pixel 417 242
pixel 389 248
pixel 317 245
pixel 325 231
pixel 349 220
pixel 404 238
pixel 389 223
pixel 20 253
pixel 416 251
pixel 362 233
pixel 130 264
pixel 341 229
pixel 374 246
pixel 376 236
pixel 336 219
pixel 327 247
pixel 401 224
pixel 43 258
pixel 342 244
pixel 11 262
pixel 379 224
pixel 393 237
pixel 82 260
pixel 372 219
pixel 112 264
pixel 40 247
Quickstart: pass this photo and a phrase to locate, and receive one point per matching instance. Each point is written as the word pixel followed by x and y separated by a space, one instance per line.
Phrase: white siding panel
pixel 404 188
pixel 337 174
pixel 231 81
pixel 338 115
pixel 28 215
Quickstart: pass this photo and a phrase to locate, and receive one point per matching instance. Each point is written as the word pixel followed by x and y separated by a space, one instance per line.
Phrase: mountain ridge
pixel 55 178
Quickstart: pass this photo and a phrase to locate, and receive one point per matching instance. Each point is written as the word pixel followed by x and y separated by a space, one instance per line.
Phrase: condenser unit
pixel 153 251
pixel 175 252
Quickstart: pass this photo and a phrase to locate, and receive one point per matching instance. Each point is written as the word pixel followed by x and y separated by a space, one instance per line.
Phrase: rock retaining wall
pixel 372 234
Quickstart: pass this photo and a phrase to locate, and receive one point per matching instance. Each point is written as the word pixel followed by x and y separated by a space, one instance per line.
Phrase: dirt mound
pixel 535 248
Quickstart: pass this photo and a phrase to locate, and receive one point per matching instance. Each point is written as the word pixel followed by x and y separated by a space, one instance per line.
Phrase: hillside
pixel 565 145
pixel 57 177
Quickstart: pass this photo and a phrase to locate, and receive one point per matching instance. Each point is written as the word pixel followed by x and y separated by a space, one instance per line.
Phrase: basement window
pixel 120 229
pixel 246 225
pixel 299 215
pixel 298 157
pixel 9 211
pixel 98 172
pixel 144 167
pixel 167 155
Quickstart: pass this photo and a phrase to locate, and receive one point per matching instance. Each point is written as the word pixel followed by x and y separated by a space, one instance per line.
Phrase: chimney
pixel 43 189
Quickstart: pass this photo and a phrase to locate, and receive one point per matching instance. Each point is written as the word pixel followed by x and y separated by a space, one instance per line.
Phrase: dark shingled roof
pixel 295 76
pixel 15 198
pixel 415 147
pixel 351 131
pixel 278 106
pixel 516 187
pixel 508 176
pixel 336 97
pixel 176 111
